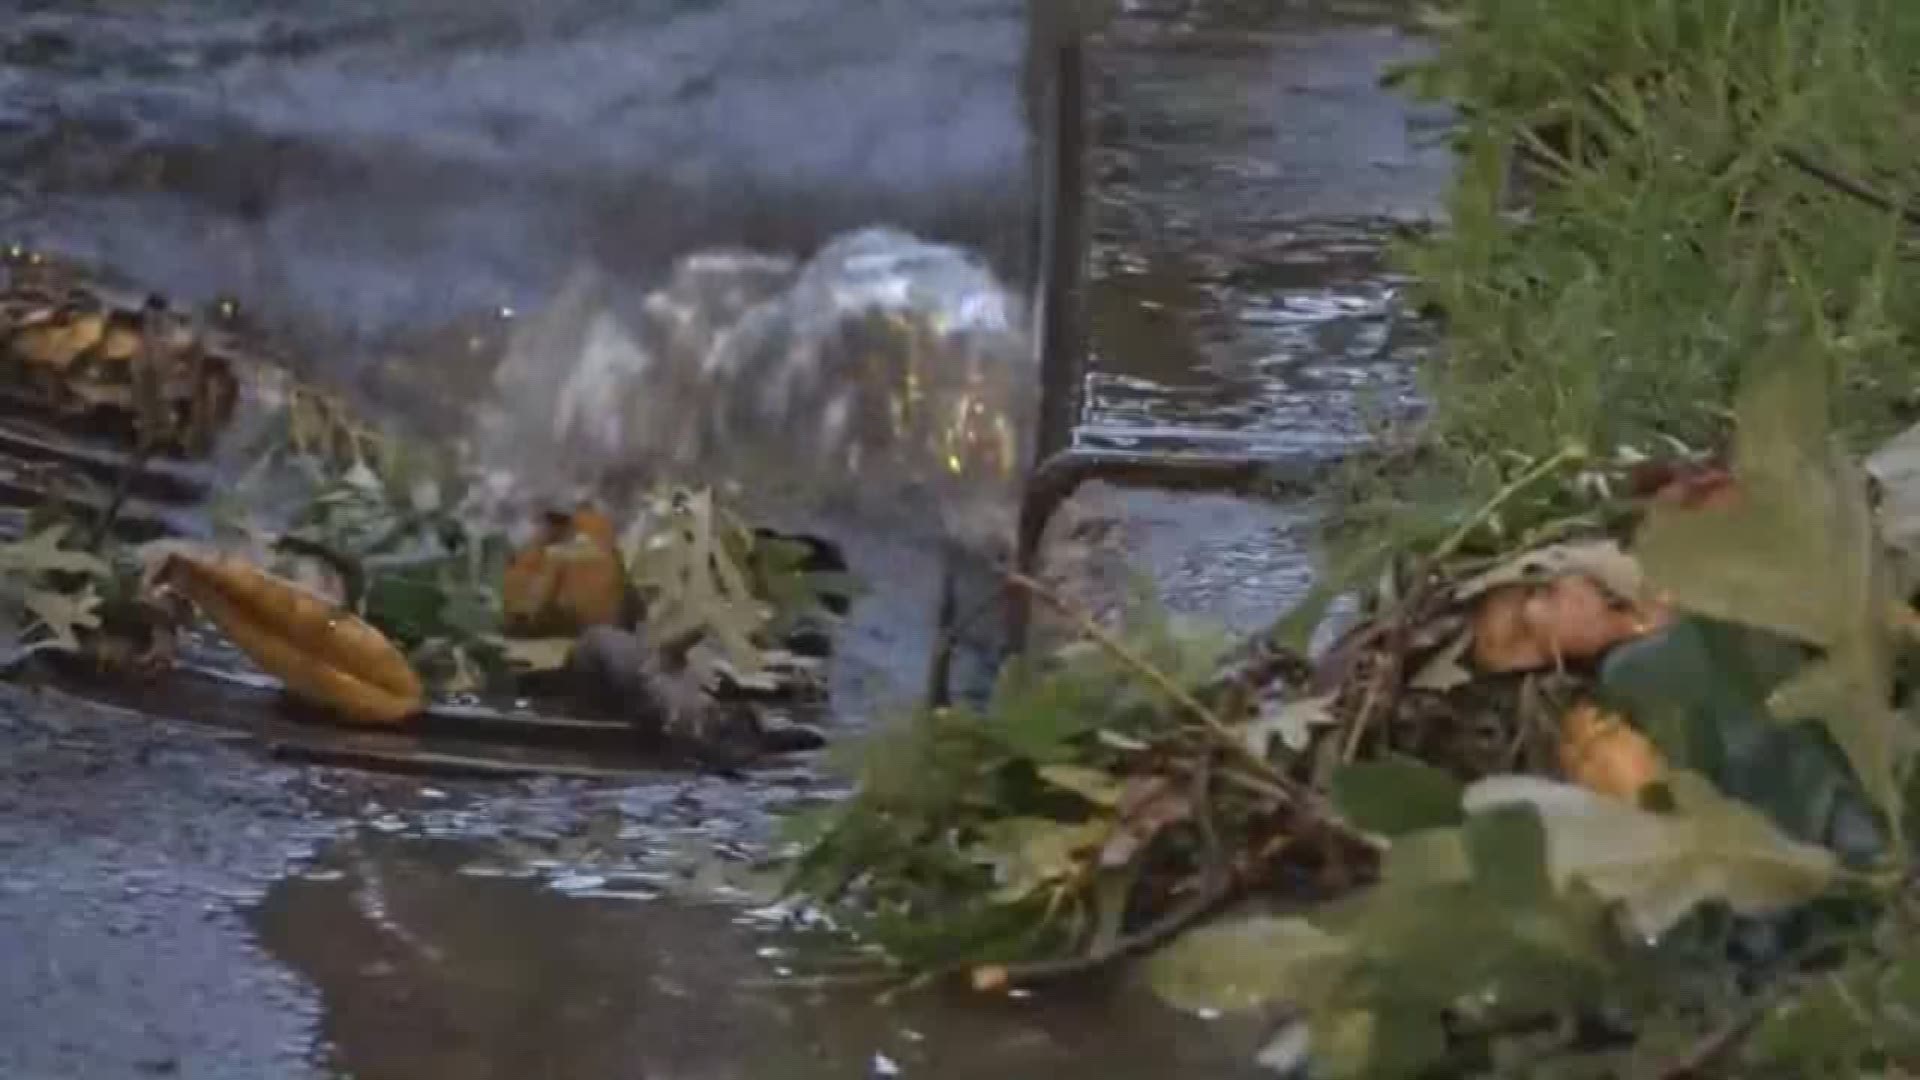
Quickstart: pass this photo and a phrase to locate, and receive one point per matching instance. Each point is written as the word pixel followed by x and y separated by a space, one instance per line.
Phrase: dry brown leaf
pixel 322 652
pixel 1706 489
pixel 1527 627
pixel 1602 752
pixel 1147 805
pixel 1602 560
pixel 57 343
pixel 990 978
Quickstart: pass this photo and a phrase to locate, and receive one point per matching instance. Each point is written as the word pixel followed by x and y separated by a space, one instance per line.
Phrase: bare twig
pixel 1217 886
pixel 1847 185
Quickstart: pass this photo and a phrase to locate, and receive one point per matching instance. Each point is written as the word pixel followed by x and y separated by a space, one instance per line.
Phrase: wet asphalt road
pixel 174 904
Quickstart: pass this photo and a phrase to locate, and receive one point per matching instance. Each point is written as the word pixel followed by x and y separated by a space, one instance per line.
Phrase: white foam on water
pixel 887 377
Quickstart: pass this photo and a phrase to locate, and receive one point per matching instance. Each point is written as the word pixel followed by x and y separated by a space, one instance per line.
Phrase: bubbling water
pixel 887 378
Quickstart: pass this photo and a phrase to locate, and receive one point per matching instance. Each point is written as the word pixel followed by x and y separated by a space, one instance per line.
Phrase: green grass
pixel 1669 241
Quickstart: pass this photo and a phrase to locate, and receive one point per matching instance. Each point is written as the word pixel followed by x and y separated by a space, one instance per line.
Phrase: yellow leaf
pixel 537 654
pixel 1093 785
pixel 322 652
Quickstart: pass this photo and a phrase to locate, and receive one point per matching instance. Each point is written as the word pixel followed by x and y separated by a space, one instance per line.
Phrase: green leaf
pixel 1423 859
pixel 1036 712
pixel 1029 853
pixel 1661 866
pixel 1397 795
pixel 1250 964
pixel 1508 849
pixel 1797 554
pixel 1824 1030
pixel 1699 687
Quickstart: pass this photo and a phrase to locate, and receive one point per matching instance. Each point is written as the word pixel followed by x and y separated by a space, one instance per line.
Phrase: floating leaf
pixel 1239 966
pixel 63 615
pixel 692 582
pixel 1660 866
pixel 323 653
pixel 41 553
pixel 569 579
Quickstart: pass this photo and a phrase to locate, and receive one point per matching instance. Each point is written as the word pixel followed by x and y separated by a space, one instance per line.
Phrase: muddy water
pixel 358 170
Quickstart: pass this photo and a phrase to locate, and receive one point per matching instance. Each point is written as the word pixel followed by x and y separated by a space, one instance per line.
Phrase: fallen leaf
pixel 1147 805
pixel 1568 619
pixel 1601 560
pixel 1443 671
pixel 1246 965
pixel 1602 752
pixel 989 978
pixel 1292 722
pixel 537 654
pixel 322 652
pixel 694 584
pixel 63 615
pixel 568 579
pixel 1660 866
pixel 41 553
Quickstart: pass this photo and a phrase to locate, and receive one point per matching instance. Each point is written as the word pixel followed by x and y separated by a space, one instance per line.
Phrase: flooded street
pixel 363 175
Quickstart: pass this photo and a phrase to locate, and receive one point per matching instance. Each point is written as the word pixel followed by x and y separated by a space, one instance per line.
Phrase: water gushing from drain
pixel 887 378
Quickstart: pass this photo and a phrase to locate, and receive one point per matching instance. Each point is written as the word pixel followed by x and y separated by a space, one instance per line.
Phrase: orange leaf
pixel 545 590
pixel 1529 626
pixel 1603 752
pixel 990 978
pixel 322 652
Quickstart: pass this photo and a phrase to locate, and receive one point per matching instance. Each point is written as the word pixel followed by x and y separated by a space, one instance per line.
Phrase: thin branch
pixel 1217 886
pixel 1847 185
